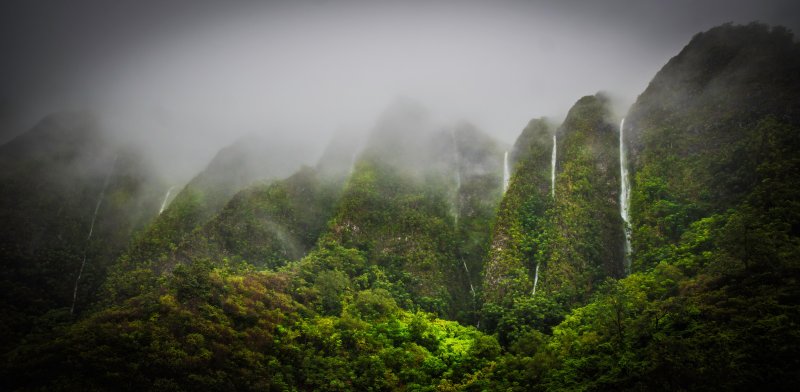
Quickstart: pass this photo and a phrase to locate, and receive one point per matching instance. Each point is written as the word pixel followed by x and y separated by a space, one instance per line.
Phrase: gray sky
pixel 187 77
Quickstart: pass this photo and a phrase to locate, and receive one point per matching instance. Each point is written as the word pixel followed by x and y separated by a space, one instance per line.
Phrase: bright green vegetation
pixel 340 278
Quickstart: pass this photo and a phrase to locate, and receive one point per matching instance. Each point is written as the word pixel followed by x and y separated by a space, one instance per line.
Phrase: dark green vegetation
pixel 54 178
pixel 194 226
pixel 406 271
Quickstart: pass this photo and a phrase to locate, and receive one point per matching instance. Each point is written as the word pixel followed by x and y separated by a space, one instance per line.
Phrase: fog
pixel 182 79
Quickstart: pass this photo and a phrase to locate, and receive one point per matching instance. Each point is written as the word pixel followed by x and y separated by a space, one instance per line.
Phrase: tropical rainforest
pixel 658 252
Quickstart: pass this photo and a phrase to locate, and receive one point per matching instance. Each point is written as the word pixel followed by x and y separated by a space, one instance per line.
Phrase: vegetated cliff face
pixel 266 225
pixel 588 243
pixel 479 187
pixel 235 167
pixel 704 125
pixel 419 203
pixel 517 239
pixel 250 160
pixel 576 237
pixel 61 181
pixel 712 302
pixel 269 224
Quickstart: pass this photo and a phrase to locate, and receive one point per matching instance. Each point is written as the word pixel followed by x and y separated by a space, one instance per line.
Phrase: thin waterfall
pixel 471 288
pixel 553 169
pixel 506 172
pixel 352 164
pixel 553 195
pixel 624 198
pixel 166 197
pixel 457 175
pixel 89 236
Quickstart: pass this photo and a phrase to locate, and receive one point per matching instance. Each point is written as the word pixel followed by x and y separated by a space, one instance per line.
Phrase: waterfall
pixel 624 198
pixel 89 236
pixel 352 164
pixel 553 195
pixel 457 177
pixel 552 171
pixel 166 197
pixel 471 288
pixel 506 172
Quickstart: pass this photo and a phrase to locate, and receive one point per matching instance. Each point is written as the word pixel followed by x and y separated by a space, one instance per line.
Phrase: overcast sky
pixel 191 76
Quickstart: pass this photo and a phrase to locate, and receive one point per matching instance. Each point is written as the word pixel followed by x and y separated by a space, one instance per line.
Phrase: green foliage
pixel 714 210
pixel 588 238
pixel 265 225
pixel 575 239
pixel 715 218
pixel 214 328
pixel 402 226
pixel 478 191
pixel 520 237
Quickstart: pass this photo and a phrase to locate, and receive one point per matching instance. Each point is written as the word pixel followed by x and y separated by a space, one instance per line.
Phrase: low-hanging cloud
pixel 184 78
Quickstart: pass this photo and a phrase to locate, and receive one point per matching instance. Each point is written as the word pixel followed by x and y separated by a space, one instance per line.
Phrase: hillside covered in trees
pixel 433 258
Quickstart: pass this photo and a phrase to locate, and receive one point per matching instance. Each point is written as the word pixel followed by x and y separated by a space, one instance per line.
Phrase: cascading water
pixel 624 197
pixel 89 236
pixel 471 288
pixel 553 169
pixel 166 198
pixel 457 176
pixel 506 172
pixel 352 164
pixel 553 195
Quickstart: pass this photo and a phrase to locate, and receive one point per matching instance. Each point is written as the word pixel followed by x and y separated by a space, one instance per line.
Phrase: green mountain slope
pixel 521 219
pixel 267 225
pixel 588 241
pixel 71 199
pixel 154 251
pixel 713 305
pixel 700 131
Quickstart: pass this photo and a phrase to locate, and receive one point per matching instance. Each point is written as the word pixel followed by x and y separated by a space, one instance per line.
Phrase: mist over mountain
pixel 184 79
pixel 417 196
